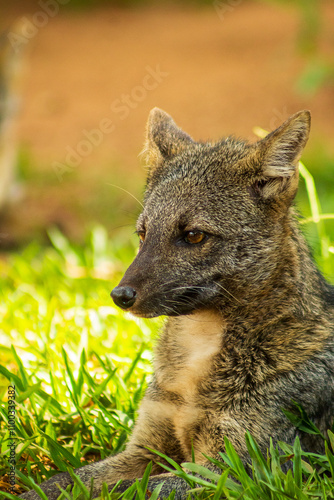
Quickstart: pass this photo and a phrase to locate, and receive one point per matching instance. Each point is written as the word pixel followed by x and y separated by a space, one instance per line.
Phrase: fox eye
pixel 194 237
pixel 141 235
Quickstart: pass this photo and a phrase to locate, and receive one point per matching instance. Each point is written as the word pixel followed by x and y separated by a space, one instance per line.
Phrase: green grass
pixel 80 367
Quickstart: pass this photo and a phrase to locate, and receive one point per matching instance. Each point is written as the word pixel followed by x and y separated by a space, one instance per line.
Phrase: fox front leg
pixel 126 465
pixel 152 430
pixel 103 472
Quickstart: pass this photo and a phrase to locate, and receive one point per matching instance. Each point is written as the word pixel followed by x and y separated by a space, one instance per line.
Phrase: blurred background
pixel 79 77
pixel 77 81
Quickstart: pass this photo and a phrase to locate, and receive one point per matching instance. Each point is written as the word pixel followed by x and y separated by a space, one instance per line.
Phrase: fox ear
pixel 164 139
pixel 278 155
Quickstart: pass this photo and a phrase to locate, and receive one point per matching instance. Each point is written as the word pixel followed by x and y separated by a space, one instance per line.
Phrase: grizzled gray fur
pixel 251 319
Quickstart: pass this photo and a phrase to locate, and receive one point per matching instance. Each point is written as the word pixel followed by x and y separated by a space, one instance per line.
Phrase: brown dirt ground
pixel 222 76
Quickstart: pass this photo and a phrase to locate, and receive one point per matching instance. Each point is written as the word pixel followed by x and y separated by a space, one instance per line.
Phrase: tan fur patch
pixel 197 338
pixel 200 340
pixel 160 409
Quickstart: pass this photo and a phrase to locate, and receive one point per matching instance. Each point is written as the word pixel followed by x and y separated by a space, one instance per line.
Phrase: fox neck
pixel 289 314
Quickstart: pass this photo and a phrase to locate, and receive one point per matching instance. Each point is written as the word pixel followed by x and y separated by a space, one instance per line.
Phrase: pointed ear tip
pixel 304 115
pixel 156 114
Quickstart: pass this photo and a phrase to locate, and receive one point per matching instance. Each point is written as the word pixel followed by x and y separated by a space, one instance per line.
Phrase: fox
pixel 249 324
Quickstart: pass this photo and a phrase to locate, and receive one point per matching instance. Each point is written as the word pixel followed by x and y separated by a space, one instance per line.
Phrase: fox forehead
pixel 193 183
pixel 204 161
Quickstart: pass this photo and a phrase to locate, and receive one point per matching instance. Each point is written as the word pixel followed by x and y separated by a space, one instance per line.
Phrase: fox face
pixel 216 217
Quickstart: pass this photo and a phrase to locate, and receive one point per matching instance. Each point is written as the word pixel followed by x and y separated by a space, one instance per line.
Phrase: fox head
pixel 217 223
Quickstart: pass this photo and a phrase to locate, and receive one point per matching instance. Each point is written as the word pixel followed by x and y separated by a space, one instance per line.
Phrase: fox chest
pixel 183 363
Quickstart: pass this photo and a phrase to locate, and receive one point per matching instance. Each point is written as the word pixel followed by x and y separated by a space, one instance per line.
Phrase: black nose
pixel 124 296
